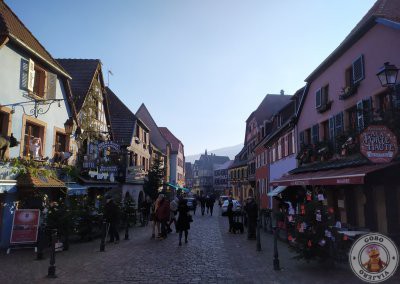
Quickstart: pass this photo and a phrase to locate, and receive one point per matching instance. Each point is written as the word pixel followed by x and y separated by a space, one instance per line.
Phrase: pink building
pixel 344 97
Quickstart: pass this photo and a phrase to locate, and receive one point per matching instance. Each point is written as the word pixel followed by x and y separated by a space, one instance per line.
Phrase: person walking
pixel 202 204
pixel 229 212
pixel 252 212
pixel 183 223
pixel 162 214
pixel 111 214
pixel 210 204
pixel 173 206
pixel 153 218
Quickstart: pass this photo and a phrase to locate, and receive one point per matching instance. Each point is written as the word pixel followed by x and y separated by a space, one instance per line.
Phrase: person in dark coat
pixel 183 223
pixel 229 212
pixel 202 204
pixel 252 214
pixel 111 214
pixel 210 204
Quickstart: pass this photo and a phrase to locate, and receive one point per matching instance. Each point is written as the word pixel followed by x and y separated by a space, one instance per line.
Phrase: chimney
pixel 282 92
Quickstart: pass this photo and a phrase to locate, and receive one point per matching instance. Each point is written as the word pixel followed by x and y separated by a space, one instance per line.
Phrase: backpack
pixel 173 206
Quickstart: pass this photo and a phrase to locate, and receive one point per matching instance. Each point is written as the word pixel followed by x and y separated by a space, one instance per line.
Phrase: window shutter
pixel 360 115
pixel 51 85
pixel 24 74
pixel 358 69
pixel 31 75
pixel 301 138
pixel 318 99
pixel 339 123
pixel 286 153
pixel 331 128
pixel 293 144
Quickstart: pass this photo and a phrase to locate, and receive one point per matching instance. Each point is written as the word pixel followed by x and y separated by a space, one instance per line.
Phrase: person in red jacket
pixel 162 214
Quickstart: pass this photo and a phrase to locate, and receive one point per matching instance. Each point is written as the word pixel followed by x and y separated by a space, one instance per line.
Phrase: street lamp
pixel 387 76
pixel 68 126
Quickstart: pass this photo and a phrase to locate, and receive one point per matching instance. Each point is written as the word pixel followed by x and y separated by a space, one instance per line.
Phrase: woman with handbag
pixel 184 219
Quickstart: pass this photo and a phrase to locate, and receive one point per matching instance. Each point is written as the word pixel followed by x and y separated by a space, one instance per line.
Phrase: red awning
pixel 331 177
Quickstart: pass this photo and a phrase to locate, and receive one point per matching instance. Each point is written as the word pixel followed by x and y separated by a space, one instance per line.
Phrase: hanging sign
pixel 378 144
pixel 25 226
pixel 109 144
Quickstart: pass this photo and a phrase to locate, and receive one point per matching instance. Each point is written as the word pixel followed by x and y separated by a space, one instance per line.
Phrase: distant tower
pixel 282 92
pixel 206 152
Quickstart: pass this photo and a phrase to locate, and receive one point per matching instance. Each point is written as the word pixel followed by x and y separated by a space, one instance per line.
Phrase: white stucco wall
pixel 10 92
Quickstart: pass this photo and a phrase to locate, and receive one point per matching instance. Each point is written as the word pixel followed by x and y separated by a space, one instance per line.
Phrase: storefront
pixel 362 192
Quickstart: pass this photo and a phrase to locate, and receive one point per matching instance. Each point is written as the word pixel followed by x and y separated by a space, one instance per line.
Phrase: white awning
pixel 76 189
pixel 277 190
pixel 8 186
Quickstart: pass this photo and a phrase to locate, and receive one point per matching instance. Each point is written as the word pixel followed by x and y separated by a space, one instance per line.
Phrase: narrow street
pixel 211 256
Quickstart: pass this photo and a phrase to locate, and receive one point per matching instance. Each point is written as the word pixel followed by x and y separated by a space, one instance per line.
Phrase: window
pixel 282 145
pixel 351 118
pixel 315 134
pixel 4 122
pixel 307 136
pixel 364 110
pixel 325 130
pixel 339 123
pixel 61 142
pixel 33 140
pixel 322 102
pixel 37 81
pixel 349 77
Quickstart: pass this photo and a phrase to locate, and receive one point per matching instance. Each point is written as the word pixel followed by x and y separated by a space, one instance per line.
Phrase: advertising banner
pixel 25 226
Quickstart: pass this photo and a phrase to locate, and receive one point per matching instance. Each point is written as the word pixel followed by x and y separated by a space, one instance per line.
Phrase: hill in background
pixel 231 152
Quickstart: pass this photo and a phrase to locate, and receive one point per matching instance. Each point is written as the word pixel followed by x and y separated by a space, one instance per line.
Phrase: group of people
pixel 164 214
pixel 250 210
pixel 206 202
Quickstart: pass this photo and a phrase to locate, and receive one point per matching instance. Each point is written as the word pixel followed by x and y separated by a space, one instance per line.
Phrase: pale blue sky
pixel 201 67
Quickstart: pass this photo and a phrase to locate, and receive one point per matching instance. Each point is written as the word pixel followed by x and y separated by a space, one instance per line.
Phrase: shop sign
pixel 378 144
pixel 113 169
pixel 109 144
pixel 25 226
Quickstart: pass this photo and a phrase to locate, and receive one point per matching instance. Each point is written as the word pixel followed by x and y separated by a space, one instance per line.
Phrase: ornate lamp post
pixel 387 76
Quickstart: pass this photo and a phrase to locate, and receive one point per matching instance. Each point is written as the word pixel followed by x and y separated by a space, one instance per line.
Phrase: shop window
pixel 33 140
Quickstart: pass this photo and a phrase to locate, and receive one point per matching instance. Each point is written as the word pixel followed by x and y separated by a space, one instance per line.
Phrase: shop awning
pixel 354 175
pixel 76 189
pixel 40 181
pixel 277 190
pixel 7 186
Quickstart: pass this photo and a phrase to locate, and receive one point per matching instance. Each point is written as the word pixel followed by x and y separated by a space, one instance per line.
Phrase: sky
pixel 200 66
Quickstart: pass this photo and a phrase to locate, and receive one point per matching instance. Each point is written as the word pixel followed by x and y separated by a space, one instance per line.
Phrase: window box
pixel 348 91
pixel 324 107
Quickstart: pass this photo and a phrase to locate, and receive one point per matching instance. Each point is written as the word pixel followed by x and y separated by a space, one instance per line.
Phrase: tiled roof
pixel 155 134
pixel 224 166
pixel 170 138
pixel 11 26
pixel 386 9
pixel 122 119
pixel 82 72
pixel 269 106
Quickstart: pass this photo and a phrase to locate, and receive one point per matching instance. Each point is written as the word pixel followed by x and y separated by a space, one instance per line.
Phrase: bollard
pixel 258 234
pixel 52 268
pixel 41 237
pixel 127 230
pixel 103 236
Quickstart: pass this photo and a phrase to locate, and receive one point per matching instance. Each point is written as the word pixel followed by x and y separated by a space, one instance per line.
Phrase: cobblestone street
pixel 211 256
